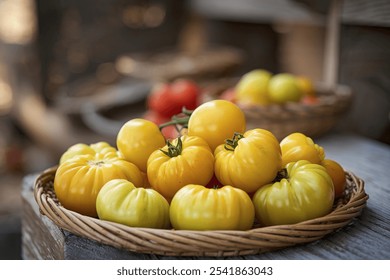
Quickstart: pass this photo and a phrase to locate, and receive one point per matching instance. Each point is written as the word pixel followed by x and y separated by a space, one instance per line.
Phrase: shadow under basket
pixel 224 243
pixel 313 120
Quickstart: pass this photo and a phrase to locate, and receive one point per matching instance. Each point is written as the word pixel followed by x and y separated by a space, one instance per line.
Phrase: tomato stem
pixel 173 151
pixel 179 120
pixel 175 121
pixel 231 144
pixel 282 174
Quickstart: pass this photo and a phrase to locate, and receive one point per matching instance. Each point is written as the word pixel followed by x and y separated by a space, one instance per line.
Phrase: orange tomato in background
pixel 337 173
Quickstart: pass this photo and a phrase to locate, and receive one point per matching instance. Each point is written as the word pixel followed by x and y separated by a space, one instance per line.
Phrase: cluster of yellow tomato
pixel 217 176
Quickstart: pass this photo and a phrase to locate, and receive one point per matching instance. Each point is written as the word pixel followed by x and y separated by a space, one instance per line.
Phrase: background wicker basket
pixel 200 243
pixel 312 120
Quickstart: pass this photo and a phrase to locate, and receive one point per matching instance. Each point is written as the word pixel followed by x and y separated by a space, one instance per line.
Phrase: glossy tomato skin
pixel 216 121
pixel 78 181
pixel 137 139
pixel 121 202
pixel 168 99
pixel 254 162
pixel 82 149
pixel 195 207
pixel 194 165
pixel 297 146
pixel 306 193
pixel 337 173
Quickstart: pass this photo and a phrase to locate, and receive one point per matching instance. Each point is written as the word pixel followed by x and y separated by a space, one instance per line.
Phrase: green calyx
pixel 282 174
pixel 173 151
pixel 231 144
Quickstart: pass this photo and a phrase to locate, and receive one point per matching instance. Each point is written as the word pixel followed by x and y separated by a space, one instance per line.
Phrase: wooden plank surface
pixel 41 238
pixel 368 237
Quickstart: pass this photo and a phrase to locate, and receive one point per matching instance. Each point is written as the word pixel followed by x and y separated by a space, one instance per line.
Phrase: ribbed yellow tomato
pixel 121 202
pixel 78 180
pixel 248 161
pixel 297 146
pixel 187 160
pixel 304 191
pixel 83 149
pixel 195 207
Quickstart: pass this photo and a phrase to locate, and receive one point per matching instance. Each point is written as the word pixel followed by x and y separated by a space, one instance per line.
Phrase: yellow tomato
pixel 305 191
pixel 297 146
pixel 253 87
pixel 195 207
pixel 78 180
pixel 306 86
pixel 248 161
pixel 215 121
pixel 137 139
pixel 187 160
pixel 82 149
pixel 121 202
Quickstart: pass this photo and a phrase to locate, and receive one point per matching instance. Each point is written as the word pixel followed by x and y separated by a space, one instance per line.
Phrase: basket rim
pixel 218 243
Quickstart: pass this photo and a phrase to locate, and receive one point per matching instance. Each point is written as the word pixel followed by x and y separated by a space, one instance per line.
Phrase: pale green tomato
pixel 305 191
pixel 121 202
pixel 253 87
pixel 284 88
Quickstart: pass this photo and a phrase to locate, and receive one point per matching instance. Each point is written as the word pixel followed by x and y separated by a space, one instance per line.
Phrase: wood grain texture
pixel 41 238
pixel 367 237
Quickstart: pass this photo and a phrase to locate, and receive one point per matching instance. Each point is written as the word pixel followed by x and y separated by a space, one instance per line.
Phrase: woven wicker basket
pixel 312 120
pixel 200 243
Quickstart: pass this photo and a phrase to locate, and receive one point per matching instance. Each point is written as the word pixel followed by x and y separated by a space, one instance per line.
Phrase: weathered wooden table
pixel 368 237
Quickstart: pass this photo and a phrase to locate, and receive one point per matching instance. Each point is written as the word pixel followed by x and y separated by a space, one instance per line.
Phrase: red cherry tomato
pixel 310 100
pixel 169 99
